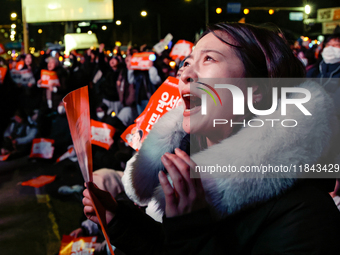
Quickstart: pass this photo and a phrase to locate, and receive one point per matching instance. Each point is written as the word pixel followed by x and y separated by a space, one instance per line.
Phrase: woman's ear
pixel 257 95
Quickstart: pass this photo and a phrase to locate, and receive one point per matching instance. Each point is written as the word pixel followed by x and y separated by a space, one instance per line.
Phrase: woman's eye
pixel 208 58
pixel 186 64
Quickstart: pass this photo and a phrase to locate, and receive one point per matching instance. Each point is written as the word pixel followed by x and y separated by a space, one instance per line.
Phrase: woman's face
pixel 28 59
pixel 136 139
pixel 213 59
pixel 113 63
pixel 333 42
pixel 51 64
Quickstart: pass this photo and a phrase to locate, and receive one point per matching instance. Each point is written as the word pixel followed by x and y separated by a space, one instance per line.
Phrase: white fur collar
pixel 308 142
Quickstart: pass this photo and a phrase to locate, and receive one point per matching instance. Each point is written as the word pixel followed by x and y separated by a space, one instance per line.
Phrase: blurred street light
pixel 271 12
pixel 307 9
pixel 104 27
pixel 13 26
pixel 89 32
pixel 172 64
pixel 143 13
pixel 40 31
pixel 218 10
pixel 246 11
pixel 118 22
pixel 13 15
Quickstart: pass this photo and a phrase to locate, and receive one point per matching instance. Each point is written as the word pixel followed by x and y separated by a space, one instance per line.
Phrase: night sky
pixel 180 18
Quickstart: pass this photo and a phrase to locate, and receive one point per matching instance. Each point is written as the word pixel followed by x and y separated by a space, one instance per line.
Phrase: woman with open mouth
pixel 237 190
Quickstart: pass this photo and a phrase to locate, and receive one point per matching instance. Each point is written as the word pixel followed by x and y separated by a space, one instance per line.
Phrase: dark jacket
pixel 328 76
pixel 304 220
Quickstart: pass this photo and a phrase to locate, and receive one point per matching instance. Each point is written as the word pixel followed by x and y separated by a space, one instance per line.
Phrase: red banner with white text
pixel 165 98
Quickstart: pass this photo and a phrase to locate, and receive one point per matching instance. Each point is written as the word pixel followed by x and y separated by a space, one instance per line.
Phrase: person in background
pixel 102 157
pixel 19 135
pixel 54 94
pixel 59 131
pixel 145 84
pixel 31 95
pixel 8 97
pixel 329 68
pixel 106 86
pixel 77 75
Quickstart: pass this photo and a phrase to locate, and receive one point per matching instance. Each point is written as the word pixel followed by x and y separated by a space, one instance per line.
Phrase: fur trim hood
pixel 307 143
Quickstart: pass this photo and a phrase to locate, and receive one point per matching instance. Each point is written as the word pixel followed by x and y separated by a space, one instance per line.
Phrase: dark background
pixel 181 18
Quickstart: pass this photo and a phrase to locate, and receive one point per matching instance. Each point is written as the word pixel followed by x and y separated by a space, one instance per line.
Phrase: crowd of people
pixel 156 207
pixel 117 93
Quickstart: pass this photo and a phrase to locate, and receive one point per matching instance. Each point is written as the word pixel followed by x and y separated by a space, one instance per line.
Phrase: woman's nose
pixel 189 75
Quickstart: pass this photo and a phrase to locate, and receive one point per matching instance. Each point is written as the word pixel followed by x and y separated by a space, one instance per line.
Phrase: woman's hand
pixel 187 194
pixel 106 201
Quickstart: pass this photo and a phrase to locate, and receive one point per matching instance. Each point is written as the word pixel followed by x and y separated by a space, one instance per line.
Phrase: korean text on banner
pixel 102 134
pixel 181 49
pixel 142 61
pixel 42 148
pixel 165 98
pixel 78 115
pixel 49 79
pixel 3 71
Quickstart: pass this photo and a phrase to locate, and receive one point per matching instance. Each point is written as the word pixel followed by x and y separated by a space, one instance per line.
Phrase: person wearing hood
pixel 232 212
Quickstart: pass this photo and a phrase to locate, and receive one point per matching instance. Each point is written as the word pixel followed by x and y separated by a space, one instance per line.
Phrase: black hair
pixel 330 37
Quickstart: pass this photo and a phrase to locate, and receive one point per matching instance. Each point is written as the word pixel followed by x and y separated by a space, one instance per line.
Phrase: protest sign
pixel 40 181
pixel 78 115
pixel 77 246
pixel 20 64
pixel 142 61
pixel 165 98
pixel 42 148
pixel 49 79
pixel 68 154
pixel 2 49
pixel 3 71
pixel 181 49
pixel 27 77
pixel 16 77
pixel 4 157
pixel 102 134
pixel 160 46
